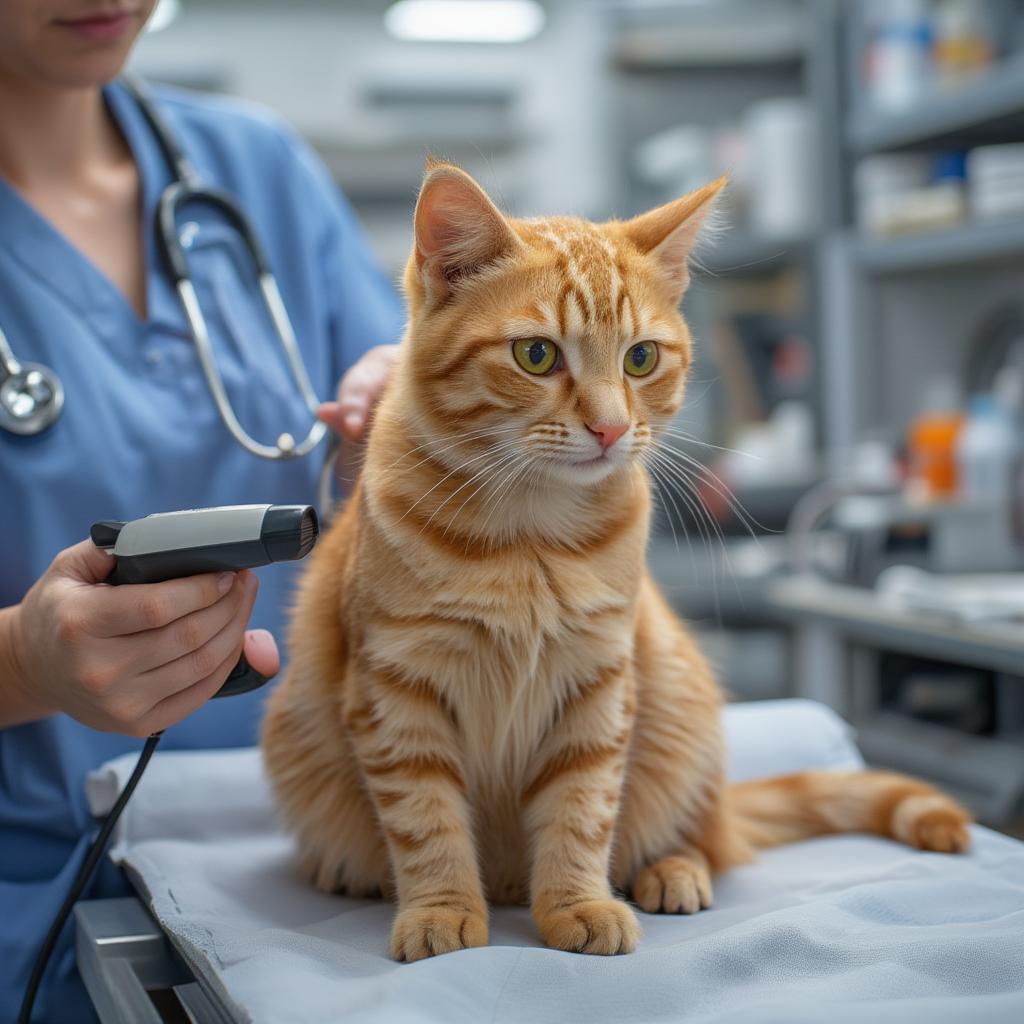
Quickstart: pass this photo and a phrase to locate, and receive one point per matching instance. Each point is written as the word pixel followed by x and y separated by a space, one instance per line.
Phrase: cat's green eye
pixel 641 359
pixel 535 355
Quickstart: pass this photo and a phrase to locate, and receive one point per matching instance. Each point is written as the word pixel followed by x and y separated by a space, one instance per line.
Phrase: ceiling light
pixel 465 21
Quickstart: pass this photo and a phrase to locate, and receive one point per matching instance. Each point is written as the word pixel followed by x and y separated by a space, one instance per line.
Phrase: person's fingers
pixel 359 390
pixel 328 412
pixel 141 607
pixel 84 563
pixel 353 420
pixel 333 415
pixel 180 705
pixel 142 652
pixel 347 420
pixel 261 652
pixel 197 665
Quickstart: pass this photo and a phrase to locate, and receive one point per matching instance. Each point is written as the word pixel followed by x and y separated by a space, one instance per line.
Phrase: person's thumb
pixel 261 652
pixel 85 563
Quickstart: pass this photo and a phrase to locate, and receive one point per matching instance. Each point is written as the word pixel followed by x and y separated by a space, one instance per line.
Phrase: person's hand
pixel 358 392
pixel 132 659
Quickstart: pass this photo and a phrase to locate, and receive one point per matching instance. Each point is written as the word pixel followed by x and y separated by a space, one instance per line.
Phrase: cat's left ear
pixel 669 233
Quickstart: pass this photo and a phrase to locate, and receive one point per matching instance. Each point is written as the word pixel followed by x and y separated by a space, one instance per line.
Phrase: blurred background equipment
pixel 841 503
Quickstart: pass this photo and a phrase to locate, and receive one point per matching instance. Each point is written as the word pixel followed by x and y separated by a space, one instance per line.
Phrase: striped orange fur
pixel 488 699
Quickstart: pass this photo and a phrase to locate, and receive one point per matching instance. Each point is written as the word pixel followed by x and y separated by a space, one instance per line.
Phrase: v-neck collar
pixel 51 255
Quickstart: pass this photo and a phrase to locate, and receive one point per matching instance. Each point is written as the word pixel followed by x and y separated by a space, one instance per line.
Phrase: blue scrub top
pixel 140 434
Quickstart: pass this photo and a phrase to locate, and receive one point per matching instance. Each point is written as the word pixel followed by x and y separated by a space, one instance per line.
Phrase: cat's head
pixel 555 342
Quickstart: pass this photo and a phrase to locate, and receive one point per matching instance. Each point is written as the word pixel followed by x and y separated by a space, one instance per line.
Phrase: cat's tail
pixel 787 808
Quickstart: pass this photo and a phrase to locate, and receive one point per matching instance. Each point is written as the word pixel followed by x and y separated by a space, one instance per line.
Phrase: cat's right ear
pixel 670 233
pixel 458 230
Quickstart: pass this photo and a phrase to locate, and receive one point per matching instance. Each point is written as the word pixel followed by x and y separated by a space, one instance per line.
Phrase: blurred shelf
pixel 724 36
pixel 388 166
pixel 953 247
pixel 862 614
pixel 747 255
pixel 987 774
pixel 989 109
pixel 678 49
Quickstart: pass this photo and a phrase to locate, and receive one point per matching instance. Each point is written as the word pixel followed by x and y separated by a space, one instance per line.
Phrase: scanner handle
pixel 243 679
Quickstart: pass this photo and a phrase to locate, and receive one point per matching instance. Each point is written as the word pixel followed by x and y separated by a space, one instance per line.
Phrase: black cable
pixel 92 858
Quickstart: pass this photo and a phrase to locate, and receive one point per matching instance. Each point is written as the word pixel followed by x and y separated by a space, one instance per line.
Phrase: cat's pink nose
pixel 608 433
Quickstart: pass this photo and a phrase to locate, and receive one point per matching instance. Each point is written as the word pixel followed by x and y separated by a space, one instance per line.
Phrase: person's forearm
pixel 16 703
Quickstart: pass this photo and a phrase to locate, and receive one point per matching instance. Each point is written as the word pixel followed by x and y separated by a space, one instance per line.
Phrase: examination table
pixel 838 929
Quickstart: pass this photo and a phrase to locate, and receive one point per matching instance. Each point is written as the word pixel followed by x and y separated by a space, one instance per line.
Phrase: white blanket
pixel 840 929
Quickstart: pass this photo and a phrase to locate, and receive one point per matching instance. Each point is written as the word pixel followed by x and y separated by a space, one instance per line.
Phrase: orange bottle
pixel 932 451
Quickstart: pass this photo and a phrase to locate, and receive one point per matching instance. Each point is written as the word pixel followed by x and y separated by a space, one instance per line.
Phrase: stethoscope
pixel 32 396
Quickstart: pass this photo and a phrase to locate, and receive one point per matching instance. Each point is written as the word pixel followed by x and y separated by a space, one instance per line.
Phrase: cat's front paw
pixel 419 932
pixel 605 927
pixel 673 885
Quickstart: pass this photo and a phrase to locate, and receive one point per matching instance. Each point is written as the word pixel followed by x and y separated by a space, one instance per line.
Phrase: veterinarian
pixel 86 296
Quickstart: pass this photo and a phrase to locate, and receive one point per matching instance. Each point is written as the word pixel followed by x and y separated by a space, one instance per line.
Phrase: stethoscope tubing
pixel 20 380
pixel 188 188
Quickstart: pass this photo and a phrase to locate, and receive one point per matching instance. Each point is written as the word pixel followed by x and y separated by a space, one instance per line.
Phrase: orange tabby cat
pixel 488 698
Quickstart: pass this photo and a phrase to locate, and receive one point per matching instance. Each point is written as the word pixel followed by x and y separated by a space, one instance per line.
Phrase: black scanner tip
pixel 289 531
pixel 104 534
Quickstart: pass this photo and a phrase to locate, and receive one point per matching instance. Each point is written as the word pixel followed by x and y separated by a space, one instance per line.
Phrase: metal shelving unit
pixel 991 109
pixel 964 245
pixel 841 633
pixel 893 302
pixel 860 613
pixel 986 774
pixel 761 38
pixel 895 310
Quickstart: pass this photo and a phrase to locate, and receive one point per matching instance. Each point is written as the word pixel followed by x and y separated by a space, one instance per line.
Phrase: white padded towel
pixel 841 929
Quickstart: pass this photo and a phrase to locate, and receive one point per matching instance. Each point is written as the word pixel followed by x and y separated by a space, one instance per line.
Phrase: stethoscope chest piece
pixel 31 395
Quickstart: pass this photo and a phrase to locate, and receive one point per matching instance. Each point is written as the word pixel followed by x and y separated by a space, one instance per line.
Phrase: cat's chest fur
pixel 562 624
pixel 507 640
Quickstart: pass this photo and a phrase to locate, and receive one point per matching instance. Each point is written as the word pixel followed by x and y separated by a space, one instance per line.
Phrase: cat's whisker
pixel 683 475
pixel 431 436
pixel 657 490
pixel 488 471
pixel 702 519
pixel 516 473
pixel 674 488
pixel 709 383
pixel 706 475
pixel 698 505
pixel 462 439
pixel 494 449
pixel 682 435
pixel 707 526
pixel 493 470
pixel 512 473
pixel 719 486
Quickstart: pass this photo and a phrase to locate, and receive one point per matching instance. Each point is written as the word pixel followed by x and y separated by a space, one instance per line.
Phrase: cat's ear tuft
pixel 669 233
pixel 458 230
